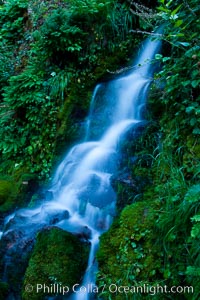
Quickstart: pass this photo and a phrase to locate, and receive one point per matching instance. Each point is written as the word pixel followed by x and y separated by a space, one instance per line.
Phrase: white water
pixel 81 185
pixel 92 105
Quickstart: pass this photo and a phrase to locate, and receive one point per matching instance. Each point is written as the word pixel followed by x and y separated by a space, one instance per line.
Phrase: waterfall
pixel 81 185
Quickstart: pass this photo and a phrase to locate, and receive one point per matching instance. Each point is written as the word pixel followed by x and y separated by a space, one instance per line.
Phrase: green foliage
pixel 67 38
pixel 153 243
pixel 169 157
pixel 12 17
pixel 6 65
pixel 53 262
pixel 180 97
pixel 31 127
pixel 51 57
pixel 181 70
pixel 58 38
pixel 177 165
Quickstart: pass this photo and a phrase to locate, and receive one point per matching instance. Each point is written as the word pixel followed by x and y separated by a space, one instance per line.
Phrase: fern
pixel 193 194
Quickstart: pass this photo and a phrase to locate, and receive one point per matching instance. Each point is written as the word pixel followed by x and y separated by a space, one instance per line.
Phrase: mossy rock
pixel 8 194
pixel 58 258
pixel 126 254
pixel 14 194
pixel 16 190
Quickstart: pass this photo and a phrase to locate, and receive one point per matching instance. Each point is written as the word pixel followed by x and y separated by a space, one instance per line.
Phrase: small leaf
pixel 165 59
pixel 185 83
pixel 176 10
pixel 133 245
pixel 196 131
pixel 195 232
pixel 195 83
pixel 185 44
pixel 178 23
pixel 193 194
pixel 158 56
pixel 193 121
pixel 196 218
pixel 189 109
pixel 192 51
pixel 167 274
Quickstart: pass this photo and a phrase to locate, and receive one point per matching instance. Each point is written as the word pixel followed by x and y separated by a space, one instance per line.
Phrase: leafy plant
pixel 173 169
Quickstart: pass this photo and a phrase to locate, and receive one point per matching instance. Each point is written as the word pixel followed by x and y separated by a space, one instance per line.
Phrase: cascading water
pixel 81 188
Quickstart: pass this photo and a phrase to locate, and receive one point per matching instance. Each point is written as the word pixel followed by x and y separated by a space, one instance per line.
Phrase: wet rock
pixel 128 187
pixel 84 233
pixel 26 220
pixel 17 219
pixel 14 255
pixel 59 216
pixel 124 178
pixel 99 192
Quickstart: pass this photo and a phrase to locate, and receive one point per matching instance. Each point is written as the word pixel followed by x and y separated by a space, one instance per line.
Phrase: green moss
pixel 58 258
pixel 4 288
pixel 8 194
pixel 126 254
pixel 16 190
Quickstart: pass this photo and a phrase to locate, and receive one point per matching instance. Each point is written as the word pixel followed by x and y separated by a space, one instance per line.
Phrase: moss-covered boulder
pixel 126 256
pixel 8 193
pixel 58 258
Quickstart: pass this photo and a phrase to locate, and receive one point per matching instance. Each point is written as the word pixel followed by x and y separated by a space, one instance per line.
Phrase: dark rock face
pixel 128 186
pixel 84 233
pixel 14 255
pixel 59 216
pixel 93 193
pixel 29 221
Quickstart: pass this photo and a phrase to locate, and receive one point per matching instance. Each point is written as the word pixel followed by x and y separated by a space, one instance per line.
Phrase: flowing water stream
pixel 81 189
